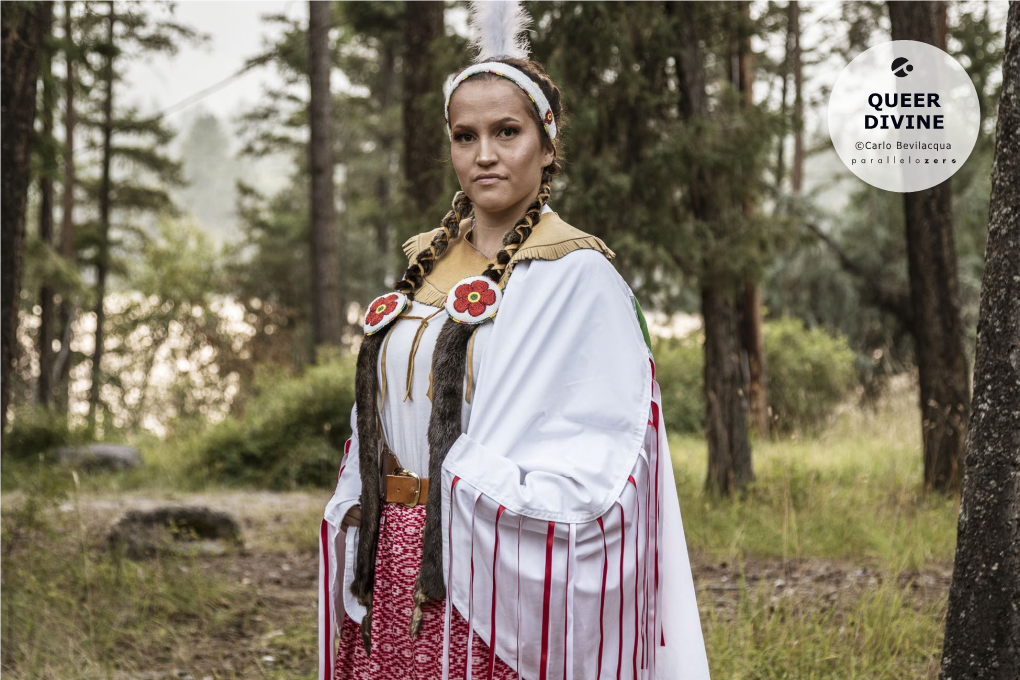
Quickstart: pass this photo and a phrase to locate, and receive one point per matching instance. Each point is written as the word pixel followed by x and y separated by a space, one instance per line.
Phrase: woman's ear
pixel 548 155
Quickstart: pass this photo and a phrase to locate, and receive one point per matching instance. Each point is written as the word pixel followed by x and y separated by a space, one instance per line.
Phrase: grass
pixel 847 499
pixel 854 492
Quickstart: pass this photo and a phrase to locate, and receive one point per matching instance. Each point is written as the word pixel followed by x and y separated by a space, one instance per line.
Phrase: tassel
pixel 417 614
pixel 366 627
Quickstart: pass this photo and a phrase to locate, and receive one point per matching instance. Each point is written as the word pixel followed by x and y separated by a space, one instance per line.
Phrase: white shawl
pixel 566 455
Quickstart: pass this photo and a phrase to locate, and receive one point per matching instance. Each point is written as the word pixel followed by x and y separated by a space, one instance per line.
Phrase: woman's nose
pixel 486 151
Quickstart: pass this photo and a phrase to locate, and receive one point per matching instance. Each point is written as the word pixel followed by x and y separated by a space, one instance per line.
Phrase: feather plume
pixel 499 29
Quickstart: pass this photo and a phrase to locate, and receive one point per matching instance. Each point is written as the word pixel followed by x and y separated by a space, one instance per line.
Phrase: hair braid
pixel 515 238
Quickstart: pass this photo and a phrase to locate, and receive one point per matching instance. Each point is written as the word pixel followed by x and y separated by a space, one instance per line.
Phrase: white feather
pixel 499 30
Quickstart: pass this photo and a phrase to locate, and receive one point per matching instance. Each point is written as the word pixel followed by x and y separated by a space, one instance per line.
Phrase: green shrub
pixel 35 431
pixel 292 433
pixel 809 373
pixel 679 370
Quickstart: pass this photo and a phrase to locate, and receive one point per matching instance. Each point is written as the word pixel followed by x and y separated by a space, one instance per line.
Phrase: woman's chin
pixel 491 203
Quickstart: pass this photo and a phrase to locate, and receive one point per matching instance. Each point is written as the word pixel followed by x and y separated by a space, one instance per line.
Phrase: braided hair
pixel 463 208
pixel 448 360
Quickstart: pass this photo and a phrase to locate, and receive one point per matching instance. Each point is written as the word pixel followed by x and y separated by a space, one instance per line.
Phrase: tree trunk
pixel 62 368
pixel 44 388
pixel 729 451
pixel 934 295
pixel 22 28
pixel 326 294
pixel 982 637
pixel 749 297
pixel 797 174
pixel 103 256
pixel 423 130
pixel 387 65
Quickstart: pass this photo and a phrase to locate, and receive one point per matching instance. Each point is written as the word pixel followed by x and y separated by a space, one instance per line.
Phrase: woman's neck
pixel 490 228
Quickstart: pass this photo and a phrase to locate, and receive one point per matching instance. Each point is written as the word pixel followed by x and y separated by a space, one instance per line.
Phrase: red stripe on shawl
pixel 602 598
pixel 566 602
pixel 637 569
pixel 492 617
pixel 543 662
pixel 343 464
pixel 655 424
pixel 327 627
pixel 623 550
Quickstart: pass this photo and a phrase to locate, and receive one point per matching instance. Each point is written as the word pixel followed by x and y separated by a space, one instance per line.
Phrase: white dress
pixel 554 499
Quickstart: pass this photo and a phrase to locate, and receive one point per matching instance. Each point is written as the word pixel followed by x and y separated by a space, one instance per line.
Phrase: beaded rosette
pixel 473 300
pixel 383 310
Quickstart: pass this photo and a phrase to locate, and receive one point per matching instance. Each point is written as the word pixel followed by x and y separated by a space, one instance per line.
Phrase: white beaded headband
pixel 499 29
pixel 511 73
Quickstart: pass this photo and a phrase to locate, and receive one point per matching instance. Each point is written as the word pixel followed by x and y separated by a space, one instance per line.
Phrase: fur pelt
pixel 366 384
pixel 448 367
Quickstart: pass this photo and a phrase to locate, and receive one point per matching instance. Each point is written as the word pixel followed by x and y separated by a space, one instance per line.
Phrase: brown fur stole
pixel 448 368
pixel 366 384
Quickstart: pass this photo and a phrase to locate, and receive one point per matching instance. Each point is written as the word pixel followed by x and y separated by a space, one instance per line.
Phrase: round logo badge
pixel 473 300
pixel 383 310
pixel 903 116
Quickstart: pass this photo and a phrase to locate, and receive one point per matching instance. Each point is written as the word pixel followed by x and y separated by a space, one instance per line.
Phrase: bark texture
pixel 22 29
pixel 934 294
pixel 982 637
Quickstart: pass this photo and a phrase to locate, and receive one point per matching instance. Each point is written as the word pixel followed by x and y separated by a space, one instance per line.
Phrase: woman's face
pixel 495 134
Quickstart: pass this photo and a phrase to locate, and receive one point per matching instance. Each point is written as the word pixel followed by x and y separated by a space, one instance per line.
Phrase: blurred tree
pixel 129 28
pixel 46 151
pixel 937 328
pixel 749 308
pixel 24 25
pixel 424 131
pixel 324 231
pixel 211 172
pixel 982 637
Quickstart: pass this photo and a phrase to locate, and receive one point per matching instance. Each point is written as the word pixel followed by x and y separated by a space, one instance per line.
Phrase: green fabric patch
pixel 641 320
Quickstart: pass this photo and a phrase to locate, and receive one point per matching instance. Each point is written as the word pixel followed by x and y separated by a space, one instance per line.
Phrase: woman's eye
pixel 513 131
pixel 459 137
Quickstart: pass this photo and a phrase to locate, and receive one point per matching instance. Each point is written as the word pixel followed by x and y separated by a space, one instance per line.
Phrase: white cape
pixel 560 497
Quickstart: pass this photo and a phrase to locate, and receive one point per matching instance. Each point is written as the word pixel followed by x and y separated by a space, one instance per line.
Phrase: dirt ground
pixel 274 635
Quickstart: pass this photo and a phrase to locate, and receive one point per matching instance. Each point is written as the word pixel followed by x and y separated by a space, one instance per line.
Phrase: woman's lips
pixel 489 180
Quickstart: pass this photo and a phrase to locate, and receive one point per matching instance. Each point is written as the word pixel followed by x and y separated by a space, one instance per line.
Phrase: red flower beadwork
pixel 548 116
pixel 474 297
pixel 380 307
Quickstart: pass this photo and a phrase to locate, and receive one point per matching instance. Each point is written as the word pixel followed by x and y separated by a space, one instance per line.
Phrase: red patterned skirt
pixel 395 654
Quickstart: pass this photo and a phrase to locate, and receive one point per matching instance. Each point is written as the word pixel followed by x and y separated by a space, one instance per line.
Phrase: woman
pixel 510 513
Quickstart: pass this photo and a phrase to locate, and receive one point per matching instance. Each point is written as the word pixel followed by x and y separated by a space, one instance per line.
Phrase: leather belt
pixel 402 485
pixel 407 488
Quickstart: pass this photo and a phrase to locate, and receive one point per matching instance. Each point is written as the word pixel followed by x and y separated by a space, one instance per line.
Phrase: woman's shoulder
pixel 554 238
pixel 416 243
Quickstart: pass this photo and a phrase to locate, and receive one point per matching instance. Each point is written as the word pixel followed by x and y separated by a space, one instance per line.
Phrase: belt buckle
pixel 401 472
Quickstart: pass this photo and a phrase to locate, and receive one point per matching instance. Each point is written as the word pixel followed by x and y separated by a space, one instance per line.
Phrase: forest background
pixel 219 251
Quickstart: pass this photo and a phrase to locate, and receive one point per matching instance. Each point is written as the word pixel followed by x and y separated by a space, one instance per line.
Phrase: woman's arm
pixel 554 500
pixel 332 540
